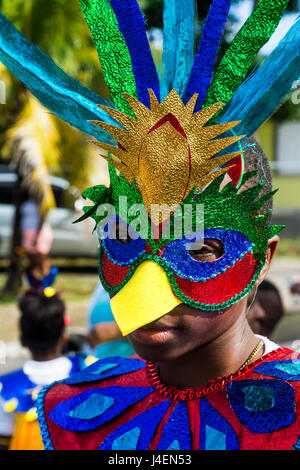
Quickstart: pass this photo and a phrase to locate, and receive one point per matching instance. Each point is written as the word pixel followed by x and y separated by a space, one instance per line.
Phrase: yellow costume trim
pixel 89 360
pixel 152 299
pixel 31 415
pixel 11 405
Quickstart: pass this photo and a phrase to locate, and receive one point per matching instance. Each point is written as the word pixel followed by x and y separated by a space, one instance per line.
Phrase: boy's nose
pixel 146 297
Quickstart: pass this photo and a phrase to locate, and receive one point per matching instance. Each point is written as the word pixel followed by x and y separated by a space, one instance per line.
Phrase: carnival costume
pixel 167 136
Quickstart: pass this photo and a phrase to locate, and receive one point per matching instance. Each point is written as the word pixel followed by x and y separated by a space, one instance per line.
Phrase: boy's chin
pixel 157 354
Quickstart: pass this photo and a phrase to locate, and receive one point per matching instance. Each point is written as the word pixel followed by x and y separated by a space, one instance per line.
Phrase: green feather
pixel 250 39
pixel 112 51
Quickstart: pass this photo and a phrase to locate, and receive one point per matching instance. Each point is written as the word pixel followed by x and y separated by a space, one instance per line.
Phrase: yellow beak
pixel 145 298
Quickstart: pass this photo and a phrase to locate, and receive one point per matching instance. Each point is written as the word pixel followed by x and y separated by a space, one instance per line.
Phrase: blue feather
pixel 59 92
pixel 132 26
pixel 204 64
pixel 178 52
pixel 259 95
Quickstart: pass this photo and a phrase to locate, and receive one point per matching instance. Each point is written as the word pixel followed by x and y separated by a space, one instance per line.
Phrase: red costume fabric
pixel 121 404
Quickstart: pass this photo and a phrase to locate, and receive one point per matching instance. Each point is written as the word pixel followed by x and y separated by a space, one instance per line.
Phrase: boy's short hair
pixel 41 322
pixel 255 159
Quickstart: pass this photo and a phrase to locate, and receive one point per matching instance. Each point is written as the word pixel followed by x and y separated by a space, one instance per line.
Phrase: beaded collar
pixel 169 391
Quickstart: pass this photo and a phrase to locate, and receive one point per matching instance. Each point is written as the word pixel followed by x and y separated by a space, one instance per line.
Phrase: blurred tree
pixel 33 139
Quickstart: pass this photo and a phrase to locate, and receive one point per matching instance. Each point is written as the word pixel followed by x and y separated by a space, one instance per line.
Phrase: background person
pixel 104 336
pixel 36 241
pixel 43 333
pixel 266 309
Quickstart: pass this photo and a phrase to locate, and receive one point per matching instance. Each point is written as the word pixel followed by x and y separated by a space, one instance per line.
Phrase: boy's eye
pixel 122 233
pixel 210 250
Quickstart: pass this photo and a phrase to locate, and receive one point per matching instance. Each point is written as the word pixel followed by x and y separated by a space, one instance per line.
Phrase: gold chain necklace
pixel 252 355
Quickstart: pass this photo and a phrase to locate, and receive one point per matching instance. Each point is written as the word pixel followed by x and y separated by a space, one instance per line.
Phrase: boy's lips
pixel 156 332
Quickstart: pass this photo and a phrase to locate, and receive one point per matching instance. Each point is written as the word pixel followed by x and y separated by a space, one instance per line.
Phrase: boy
pixel 208 383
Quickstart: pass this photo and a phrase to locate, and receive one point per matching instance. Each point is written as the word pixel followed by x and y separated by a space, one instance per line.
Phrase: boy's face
pixel 209 269
pixel 184 328
pixel 169 197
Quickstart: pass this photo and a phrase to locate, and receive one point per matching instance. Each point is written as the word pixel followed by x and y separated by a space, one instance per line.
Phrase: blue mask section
pixel 263 406
pixel 137 433
pixel 215 431
pixel 176 254
pixel 92 408
pixel 121 253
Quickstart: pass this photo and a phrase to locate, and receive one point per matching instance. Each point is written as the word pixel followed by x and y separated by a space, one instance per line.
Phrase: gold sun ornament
pixel 167 149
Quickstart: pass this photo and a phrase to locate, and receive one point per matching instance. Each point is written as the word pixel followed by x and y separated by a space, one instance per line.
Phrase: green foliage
pixel 59 29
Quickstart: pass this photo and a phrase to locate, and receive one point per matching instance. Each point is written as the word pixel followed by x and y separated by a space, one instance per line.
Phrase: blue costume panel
pixel 120 404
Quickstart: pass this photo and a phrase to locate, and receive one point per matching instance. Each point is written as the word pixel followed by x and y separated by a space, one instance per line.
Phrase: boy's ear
pixel 272 247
